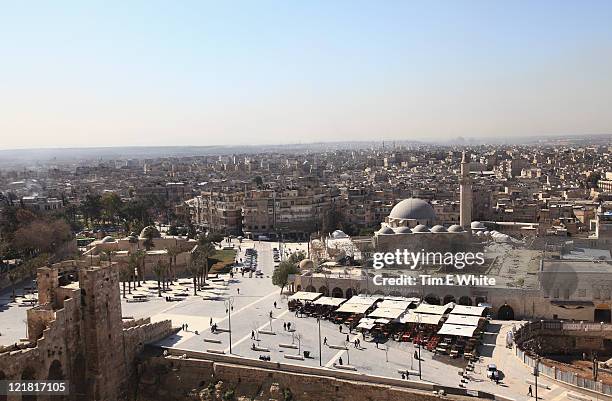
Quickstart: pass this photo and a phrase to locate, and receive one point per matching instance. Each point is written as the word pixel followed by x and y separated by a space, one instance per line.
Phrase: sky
pixel 104 73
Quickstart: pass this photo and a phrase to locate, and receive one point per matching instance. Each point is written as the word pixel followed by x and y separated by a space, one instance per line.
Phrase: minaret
pixel 465 193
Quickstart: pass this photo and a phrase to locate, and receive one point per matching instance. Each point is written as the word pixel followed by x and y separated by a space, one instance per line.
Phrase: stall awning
pixel 422 318
pixel 387 313
pixel 463 320
pixel 329 301
pixel 395 304
pixel 468 310
pixel 305 296
pixel 358 309
pixel 432 309
pixel 365 325
pixel 456 330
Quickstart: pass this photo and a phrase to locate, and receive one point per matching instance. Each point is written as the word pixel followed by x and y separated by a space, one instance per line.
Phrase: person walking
pixel 340 361
pixel 340 328
pixel 284 326
pixel 274 304
pixel 347 338
pixel 210 321
pixel 356 342
pixel 288 325
pixel 252 334
pixel 530 391
pixel 238 290
pixel 325 341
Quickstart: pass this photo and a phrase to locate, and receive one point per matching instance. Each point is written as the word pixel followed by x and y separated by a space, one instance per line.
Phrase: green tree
pixel 91 208
pixel 173 251
pixel 194 269
pixel 297 257
pixel 160 269
pixel 124 276
pixel 204 251
pixel 280 277
pixel 111 205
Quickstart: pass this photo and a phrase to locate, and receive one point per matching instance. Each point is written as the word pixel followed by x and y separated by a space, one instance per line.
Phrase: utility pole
pixel 229 307
pixel 320 356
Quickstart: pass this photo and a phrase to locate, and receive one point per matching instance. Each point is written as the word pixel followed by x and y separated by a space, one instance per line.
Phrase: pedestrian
pixel 274 304
pixel 210 321
pixel 359 343
pixel 238 290
pixel 356 341
pixel 340 361
pixel 340 328
pixel 376 343
pixel 403 376
pixel 183 326
pixel 288 325
pixel 347 338
pixel 416 356
pixel 285 326
pixel 530 391
pixel 325 341
pixel 270 314
pixel 186 326
pixel 253 334
pixel 363 335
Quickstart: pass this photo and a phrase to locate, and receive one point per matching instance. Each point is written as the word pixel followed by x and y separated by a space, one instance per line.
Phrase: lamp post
pixel 229 307
pixel 320 356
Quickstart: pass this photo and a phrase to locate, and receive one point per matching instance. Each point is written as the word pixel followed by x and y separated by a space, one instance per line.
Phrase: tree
pixel 124 275
pixel 297 257
pixel 111 205
pixel 194 269
pixel 204 251
pixel 92 208
pixel 132 265
pixel 173 252
pixel 280 277
pixel 148 243
pixel 159 269
pixel 140 257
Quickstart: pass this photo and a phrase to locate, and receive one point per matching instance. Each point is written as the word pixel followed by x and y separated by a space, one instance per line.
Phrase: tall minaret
pixel 465 193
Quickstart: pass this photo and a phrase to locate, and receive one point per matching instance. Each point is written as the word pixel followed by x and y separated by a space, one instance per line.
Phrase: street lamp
pixel 320 356
pixel 229 307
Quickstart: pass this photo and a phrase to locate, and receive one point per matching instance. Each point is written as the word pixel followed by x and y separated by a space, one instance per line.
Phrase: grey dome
pixel 476 225
pixel 107 239
pixel 413 209
pixel 386 230
pixel 438 229
pixel 339 234
pixel 150 229
pixel 421 228
pixel 403 230
pixel 455 228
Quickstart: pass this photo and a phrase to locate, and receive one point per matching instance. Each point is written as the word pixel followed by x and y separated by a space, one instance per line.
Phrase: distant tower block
pixel 465 193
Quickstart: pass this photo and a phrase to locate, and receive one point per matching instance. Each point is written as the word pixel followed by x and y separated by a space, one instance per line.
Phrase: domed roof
pixel 455 228
pixel 339 234
pixel 386 230
pixel 476 225
pixel 413 209
pixel 154 232
pixel 107 239
pixel 421 228
pixel 438 229
pixel 306 264
pixel 403 230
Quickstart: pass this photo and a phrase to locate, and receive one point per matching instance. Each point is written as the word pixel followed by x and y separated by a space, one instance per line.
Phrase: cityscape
pixel 318 201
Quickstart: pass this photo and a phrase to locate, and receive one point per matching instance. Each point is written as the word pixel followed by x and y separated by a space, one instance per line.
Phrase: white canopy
pixel 365 325
pixel 432 309
pixel 359 309
pixel 305 296
pixel 388 313
pixel 395 304
pixel 463 320
pixel 422 318
pixel 329 301
pixel 383 321
pixel 468 310
pixel 457 330
pixel 358 304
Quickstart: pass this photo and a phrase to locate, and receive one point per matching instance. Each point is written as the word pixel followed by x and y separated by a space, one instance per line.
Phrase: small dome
pixel 107 239
pixel 403 230
pixel 339 234
pixel 150 230
pixel 306 264
pixel 455 228
pixel 421 228
pixel 476 225
pixel 386 230
pixel 413 209
pixel 438 229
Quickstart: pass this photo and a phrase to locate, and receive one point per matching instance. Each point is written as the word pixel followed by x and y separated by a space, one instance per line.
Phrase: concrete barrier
pixel 214 351
pixel 298 357
pixel 345 367
pixel 270 333
pixel 212 340
pixel 337 347
pixel 292 346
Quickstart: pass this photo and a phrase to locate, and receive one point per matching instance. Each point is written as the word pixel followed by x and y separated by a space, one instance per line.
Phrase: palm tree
pixel 140 258
pixel 13 277
pixel 193 269
pixel 124 275
pixel 159 269
pixel 205 250
pixel 173 252
pixel 148 244
pixel 133 263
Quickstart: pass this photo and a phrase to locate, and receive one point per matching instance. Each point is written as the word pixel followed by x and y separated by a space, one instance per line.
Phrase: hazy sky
pixel 87 73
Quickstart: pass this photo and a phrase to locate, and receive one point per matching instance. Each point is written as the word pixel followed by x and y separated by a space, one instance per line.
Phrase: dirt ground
pixel 581 368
